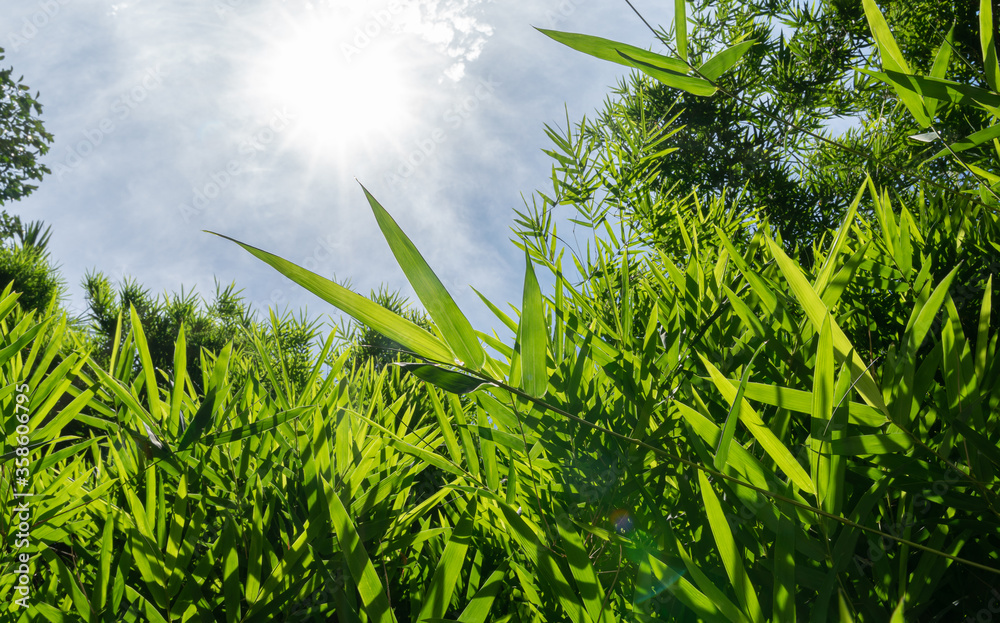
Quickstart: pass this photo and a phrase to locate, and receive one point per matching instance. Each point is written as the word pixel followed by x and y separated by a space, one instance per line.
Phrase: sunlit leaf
pixel 533 336
pixel 448 380
pixel 986 29
pixel 729 428
pixel 725 60
pixel 657 71
pixel 455 327
pixel 392 326
pixel 680 27
pixel 893 61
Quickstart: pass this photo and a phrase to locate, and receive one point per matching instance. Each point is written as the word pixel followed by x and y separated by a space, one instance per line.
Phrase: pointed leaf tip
pixel 454 326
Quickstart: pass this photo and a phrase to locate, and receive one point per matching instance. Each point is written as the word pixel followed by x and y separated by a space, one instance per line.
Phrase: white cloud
pixel 452 28
pixel 119 209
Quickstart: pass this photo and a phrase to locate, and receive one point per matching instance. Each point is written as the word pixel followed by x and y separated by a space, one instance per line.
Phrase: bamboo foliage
pixel 693 424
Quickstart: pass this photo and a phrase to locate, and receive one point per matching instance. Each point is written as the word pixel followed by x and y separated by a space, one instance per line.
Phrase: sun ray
pixel 348 91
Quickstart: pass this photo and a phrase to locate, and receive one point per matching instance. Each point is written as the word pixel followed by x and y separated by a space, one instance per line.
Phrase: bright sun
pixel 343 96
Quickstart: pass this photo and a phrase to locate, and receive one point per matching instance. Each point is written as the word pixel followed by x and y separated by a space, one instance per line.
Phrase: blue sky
pixel 258 118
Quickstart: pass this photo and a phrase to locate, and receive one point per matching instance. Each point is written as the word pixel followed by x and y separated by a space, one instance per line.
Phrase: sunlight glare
pixel 343 96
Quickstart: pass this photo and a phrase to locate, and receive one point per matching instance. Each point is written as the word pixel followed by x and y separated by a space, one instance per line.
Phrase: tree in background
pixel 770 138
pixel 288 339
pixel 32 273
pixel 23 139
pixel 761 148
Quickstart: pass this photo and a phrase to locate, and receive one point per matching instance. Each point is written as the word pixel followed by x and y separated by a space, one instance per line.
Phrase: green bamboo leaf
pixel 800 401
pixel 983 333
pixel 62 454
pixel 826 271
pixel 892 56
pixel 653 578
pixel 729 428
pixel 175 542
pixel 939 69
pixel 818 312
pixel 893 60
pixel 296 558
pixel 781 455
pixel 706 608
pixel 488 452
pixel 451 442
pixel 454 326
pixel 126 397
pixel 582 569
pixel 392 326
pixel 986 27
pixel 180 376
pixel 228 552
pixel 149 372
pixel 725 60
pixel 145 551
pixel 511 485
pixel 732 560
pixel 499 313
pixel 937 88
pixel 785 588
pixel 479 608
pixel 546 566
pixel 25 338
pixel 507 440
pixel 670 71
pixel 253 429
pixel 680 25
pixel 255 556
pixel 981 137
pixel 533 336
pixel 149 610
pixel 822 413
pixel 922 316
pixel 885 443
pixel 9 300
pixel 424 455
pixel 899 611
pixel 608 50
pixel 104 567
pixel 657 71
pixel 979 441
pixel 205 416
pixel 845 609
pixel 373 596
pixel 448 380
pixel 439 593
